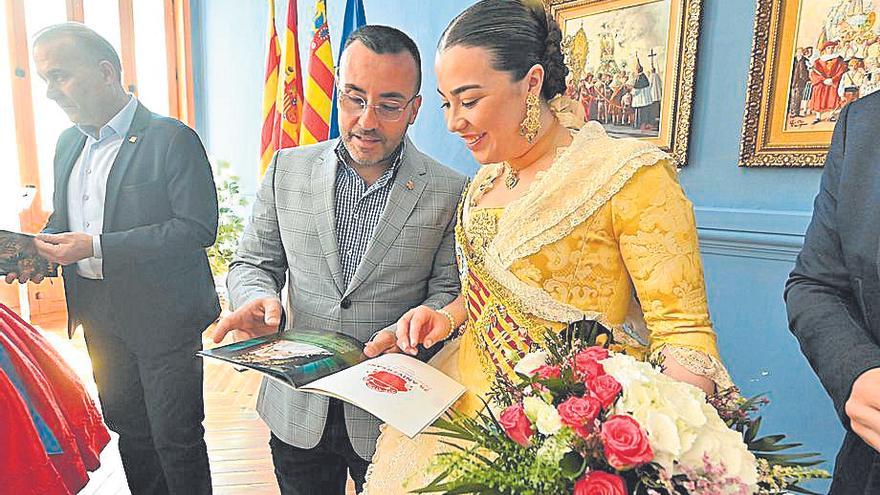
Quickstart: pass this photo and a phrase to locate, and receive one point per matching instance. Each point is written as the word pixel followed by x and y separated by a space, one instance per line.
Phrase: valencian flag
pixel 354 18
pixel 288 102
pixel 268 140
pixel 319 85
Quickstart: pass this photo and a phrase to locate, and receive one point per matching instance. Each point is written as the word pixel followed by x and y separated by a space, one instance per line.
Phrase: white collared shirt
pixel 87 186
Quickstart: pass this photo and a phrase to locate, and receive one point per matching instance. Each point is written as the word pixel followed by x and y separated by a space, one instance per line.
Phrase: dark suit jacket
pixel 833 293
pixel 160 213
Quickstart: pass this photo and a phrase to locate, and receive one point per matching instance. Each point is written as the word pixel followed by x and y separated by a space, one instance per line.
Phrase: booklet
pixel 19 255
pixel 396 388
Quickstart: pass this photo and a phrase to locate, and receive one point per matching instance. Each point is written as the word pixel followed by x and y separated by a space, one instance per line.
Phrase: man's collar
pixel 119 124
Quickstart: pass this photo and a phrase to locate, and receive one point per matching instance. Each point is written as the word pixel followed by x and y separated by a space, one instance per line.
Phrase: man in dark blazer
pixel 833 293
pixel 134 209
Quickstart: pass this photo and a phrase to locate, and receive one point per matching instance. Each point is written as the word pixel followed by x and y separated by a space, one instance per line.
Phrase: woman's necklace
pixel 512 178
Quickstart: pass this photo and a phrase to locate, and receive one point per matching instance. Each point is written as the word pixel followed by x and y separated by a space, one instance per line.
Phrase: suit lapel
pixel 409 183
pixel 324 190
pixel 123 160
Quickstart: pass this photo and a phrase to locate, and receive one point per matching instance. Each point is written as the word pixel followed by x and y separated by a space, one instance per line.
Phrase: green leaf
pixel 752 430
pixel 573 465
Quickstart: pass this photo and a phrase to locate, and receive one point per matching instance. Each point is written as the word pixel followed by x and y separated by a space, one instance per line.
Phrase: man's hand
pixel 255 319
pixel 421 325
pixel 385 342
pixel 64 249
pixel 863 407
pixel 828 81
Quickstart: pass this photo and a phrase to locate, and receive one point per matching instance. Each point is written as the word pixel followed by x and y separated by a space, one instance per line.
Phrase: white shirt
pixel 87 186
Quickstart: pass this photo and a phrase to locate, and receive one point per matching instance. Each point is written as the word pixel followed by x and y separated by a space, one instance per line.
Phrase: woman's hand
pixel 674 369
pixel 421 325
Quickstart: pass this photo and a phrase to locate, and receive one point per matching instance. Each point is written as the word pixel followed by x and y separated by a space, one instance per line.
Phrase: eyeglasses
pixel 356 105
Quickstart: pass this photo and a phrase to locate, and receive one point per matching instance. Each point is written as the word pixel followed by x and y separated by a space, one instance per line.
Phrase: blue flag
pixel 354 18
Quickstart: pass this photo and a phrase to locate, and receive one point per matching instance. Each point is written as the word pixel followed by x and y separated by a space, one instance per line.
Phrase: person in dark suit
pixel 134 209
pixel 833 293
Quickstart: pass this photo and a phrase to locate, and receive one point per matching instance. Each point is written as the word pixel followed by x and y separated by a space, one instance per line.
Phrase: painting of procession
pixel 631 65
pixel 810 58
pixel 836 61
pixel 615 73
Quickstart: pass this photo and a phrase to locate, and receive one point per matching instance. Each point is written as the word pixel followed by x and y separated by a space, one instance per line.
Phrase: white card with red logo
pixel 398 389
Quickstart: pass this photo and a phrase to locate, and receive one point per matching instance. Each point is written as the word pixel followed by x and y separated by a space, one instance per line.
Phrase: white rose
pixel 662 433
pixel 531 406
pixel 544 415
pixel 530 362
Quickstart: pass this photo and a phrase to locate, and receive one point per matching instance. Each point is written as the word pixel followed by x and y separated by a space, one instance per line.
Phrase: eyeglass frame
pixel 342 94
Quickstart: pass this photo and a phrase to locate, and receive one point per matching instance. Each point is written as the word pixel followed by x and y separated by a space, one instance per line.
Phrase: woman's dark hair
pixel 518 34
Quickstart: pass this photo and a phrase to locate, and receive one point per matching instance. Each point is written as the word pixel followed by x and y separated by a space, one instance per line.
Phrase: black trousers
pixel 151 395
pixel 323 469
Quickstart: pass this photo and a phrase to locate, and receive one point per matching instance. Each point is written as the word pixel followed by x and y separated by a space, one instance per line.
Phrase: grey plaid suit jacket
pixel 292 233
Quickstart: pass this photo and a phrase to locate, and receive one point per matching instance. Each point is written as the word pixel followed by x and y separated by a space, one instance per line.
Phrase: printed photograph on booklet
pixel 19 255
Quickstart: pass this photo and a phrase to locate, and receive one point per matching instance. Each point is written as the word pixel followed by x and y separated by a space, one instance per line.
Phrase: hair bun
pixel 555 70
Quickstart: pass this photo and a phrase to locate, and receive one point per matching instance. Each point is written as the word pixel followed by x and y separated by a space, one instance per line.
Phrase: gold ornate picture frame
pixel 810 58
pixel 633 64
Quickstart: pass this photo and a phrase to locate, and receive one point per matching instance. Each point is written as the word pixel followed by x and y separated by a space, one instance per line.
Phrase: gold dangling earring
pixel 532 123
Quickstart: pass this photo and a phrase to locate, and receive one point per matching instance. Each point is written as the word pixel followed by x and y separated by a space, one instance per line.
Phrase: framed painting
pixel 632 65
pixel 810 58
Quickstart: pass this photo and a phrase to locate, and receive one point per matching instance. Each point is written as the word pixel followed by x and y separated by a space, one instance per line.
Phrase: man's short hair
pixel 88 43
pixel 386 39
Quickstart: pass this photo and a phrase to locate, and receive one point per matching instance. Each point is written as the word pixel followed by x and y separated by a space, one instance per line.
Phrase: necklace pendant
pixel 511 180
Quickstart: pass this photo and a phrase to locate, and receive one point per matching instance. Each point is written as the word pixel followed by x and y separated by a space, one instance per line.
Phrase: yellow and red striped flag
pixel 319 86
pixel 268 137
pixel 288 103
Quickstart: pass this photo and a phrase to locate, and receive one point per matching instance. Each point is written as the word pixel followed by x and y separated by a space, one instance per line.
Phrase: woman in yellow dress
pixel 556 226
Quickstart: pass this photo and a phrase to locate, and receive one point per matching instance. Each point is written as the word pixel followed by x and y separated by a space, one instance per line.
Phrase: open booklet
pixel 19 255
pixel 398 389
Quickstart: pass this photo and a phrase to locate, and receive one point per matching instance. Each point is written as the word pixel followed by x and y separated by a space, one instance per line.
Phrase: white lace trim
pixel 584 177
pixel 698 363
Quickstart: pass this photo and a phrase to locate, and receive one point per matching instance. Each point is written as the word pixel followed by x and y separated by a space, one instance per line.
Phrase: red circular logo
pixel 386 381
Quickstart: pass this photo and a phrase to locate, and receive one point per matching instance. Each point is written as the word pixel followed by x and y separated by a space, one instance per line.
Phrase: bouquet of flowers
pixel 583 419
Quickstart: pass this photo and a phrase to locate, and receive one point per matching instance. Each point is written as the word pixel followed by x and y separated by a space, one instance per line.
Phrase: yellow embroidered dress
pixel 605 233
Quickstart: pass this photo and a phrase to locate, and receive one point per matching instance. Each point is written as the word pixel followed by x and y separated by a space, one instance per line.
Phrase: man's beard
pixel 360 161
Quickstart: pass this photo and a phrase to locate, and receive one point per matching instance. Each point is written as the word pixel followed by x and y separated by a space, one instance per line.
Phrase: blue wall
pixel 751 221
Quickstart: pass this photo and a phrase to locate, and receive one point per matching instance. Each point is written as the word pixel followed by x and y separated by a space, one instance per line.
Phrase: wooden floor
pixel 237 439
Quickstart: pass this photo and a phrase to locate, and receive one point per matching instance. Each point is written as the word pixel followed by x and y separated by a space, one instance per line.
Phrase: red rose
pixel 605 388
pixel 595 352
pixel 626 445
pixel 579 413
pixel 516 425
pixel 546 371
pixel 600 483
pixel 587 367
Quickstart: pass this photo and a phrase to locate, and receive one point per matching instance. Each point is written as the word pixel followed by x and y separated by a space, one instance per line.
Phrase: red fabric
pixel 825 96
pixel 69 464
pixel 26 467
pixel 76 405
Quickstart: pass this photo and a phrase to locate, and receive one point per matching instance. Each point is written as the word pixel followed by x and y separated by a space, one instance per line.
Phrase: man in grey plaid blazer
pixel 362 228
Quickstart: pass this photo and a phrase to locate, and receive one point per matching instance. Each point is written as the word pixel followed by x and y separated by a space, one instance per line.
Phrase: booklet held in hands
pixel 398 389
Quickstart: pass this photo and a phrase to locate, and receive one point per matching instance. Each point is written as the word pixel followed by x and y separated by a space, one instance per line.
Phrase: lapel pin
pixel 410 185
pixel 133 139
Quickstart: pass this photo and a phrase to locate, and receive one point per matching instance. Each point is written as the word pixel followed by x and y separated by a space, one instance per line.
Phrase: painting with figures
pixel 632 65
pixel 810 58
pixel 618 59
pixel 836 60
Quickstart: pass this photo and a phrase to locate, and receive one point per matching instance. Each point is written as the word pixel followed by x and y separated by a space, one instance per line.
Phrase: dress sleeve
pixel 656 231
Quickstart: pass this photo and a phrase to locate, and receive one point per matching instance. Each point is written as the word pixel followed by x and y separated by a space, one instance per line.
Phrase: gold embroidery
pixel 637 238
